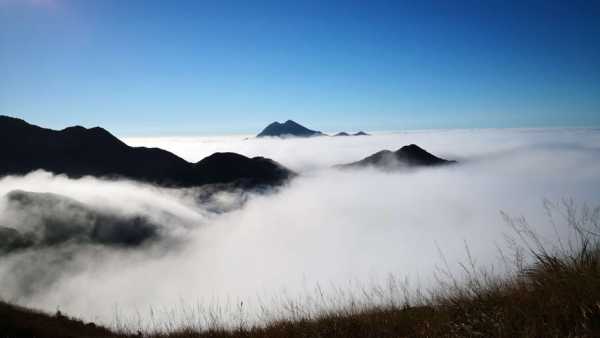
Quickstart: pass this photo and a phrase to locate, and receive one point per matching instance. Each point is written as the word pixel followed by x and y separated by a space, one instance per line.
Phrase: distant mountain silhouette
pixel 343 133
pixel 407 156
pixel 289 128
pixel 78 151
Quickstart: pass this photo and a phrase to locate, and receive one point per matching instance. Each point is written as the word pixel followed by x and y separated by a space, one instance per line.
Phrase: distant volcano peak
pixel 288 128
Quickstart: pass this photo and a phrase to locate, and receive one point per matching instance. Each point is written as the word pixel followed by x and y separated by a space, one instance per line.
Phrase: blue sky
pixel 171 67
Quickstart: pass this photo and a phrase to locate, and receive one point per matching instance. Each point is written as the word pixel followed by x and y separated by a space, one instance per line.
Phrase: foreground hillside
pixel 558 295
pixel 20 322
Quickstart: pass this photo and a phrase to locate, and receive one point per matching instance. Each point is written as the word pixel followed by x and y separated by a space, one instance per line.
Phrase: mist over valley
pixel 89 245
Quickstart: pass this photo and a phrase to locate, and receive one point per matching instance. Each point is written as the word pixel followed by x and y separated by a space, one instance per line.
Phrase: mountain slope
pixel 35 223
pixel 21 322
pixel 78 151
pixel 289 128
pixel 407 156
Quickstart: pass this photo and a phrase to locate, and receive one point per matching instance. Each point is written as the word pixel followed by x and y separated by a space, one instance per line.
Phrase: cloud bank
pixel 327 227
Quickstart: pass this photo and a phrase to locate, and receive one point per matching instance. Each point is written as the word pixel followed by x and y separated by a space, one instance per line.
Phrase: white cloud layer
pixel 327 226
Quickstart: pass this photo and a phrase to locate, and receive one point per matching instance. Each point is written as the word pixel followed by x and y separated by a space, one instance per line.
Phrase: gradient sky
pixel 174 67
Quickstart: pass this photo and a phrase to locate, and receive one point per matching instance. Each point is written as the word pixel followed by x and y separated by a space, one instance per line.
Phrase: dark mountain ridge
pixel 78 151
pixel 360 133
pixel 293 129
pixel 408 156
pixel 288 128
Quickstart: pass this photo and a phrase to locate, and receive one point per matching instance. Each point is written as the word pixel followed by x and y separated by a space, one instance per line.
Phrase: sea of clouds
pixel 326 228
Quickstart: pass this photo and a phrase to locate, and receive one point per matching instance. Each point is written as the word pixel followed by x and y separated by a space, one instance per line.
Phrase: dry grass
pixel 553 291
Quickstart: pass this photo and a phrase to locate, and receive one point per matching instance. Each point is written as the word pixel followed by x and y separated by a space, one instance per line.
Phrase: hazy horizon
pixel 252 133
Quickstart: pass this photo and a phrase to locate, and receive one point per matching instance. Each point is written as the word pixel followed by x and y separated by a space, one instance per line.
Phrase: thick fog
pixel 326 227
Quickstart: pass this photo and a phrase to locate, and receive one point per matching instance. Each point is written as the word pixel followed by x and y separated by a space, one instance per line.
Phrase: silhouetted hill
pixel 20 322
pixel 78 151
pixel 343 133
pixel 289 128
pixel 44 219
pixel 407 156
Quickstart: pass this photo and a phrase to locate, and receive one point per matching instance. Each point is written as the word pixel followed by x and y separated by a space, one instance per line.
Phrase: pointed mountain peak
pixel 412 148
pixel 408 156
pixel 288 128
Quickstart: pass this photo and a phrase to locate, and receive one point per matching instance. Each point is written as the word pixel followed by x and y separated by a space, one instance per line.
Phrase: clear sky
pixel 169 67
